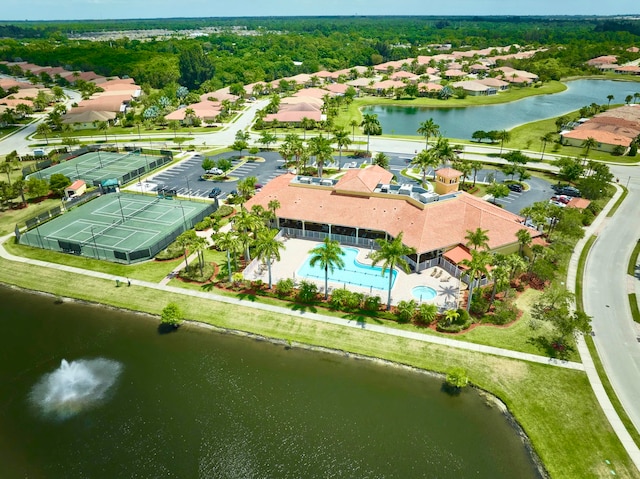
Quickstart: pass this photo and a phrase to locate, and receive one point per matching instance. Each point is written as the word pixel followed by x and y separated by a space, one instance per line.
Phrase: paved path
pixel 313 316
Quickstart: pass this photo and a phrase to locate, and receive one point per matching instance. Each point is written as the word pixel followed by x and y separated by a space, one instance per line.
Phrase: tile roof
pixel 457 254
pixel 440 224
pixel 600 136
pixel 579 203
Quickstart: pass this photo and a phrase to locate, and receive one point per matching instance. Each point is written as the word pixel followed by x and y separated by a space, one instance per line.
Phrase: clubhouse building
pixel 363 205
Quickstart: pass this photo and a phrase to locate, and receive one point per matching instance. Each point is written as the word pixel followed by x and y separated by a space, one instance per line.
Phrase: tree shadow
pixel 164 328
pixel 550 347
pixel 247 296
pixel 450 390
pixel 303 308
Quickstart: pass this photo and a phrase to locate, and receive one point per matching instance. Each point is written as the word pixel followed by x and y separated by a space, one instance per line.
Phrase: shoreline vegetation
pixel 567 445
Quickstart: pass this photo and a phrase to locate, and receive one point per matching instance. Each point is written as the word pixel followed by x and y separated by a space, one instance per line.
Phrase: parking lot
pixel 185 178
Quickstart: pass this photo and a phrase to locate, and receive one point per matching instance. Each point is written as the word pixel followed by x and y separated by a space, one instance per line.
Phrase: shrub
pixel 307 292
pixel 254 150
pixel 457 378
pixel 194 273
pixel 361 154
pixel 633 150
pixel 372 303
pixel 171 315
pixel 479 304
pixel 426 313
pixel 172 251
pixel 405 311
pixel 454 321
pixel 505 312
pixel 587 217
pixel 224 210
pixel 339 298
pixel 203 225
pixel 284 287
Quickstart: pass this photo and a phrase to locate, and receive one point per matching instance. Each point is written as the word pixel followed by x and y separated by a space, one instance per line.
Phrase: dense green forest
pixel 272 48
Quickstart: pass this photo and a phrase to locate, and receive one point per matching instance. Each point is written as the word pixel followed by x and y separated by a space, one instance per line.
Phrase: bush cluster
pixel 172 251
pixel 460 323
pixel 223 211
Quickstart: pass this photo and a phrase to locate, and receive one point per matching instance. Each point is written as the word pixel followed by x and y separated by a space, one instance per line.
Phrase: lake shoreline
pixel 490 399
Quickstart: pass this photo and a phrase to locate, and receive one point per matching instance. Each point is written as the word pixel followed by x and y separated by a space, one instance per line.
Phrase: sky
pixel 112 9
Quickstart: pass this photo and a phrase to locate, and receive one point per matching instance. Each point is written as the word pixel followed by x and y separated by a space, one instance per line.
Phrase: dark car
pixel 215 192
pixel 515 187
pixel 569 191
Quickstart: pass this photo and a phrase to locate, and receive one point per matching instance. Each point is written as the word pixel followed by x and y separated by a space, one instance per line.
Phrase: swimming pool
pixel 424 293
pixel 354 272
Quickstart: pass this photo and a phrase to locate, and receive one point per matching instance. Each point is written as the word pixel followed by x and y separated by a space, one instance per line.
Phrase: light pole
pixel 93 237
pixel 121 212
pixel 188 188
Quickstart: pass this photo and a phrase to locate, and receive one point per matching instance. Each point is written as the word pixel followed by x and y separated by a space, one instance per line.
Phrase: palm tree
pixel 273 206
pixel 444 152
pixel 341 139
pixel 6 167
pixel 43 129
pixel 636 97
pixel 371 126
pixel 305 124
pixel 428 128
pixel 186 241
pixel 499 273
pixel 477 239
pixel 544 139
pixel 229 242
pixel 268 248
pixel 424 160
pixel 198 246
pixel 609 100
pixel 392 254
pixel 524 239
pixel 103 126
pixel 353 124
pixel 504 136
pixel 247 224
pixel 476 267
pixel 320 147
pixel 628 98
pixel 328 255
pixel 589 143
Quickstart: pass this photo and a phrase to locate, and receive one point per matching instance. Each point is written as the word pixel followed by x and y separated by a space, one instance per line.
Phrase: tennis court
pixel 96 166
pixel 118 227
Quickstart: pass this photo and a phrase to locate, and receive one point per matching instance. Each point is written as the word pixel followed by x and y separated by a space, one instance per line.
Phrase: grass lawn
pixel 153 271
pixel 555 406
pixel 9 218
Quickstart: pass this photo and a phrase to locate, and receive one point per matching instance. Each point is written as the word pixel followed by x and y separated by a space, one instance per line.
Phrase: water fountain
pixel 75 387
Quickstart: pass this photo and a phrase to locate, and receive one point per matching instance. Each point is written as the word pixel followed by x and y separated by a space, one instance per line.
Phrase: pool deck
pixel 297 250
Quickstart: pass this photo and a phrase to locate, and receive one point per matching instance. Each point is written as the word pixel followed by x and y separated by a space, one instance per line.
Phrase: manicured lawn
pixel 555 407
pixel 152 271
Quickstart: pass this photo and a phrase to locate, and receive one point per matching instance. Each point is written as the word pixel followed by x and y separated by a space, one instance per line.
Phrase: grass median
pixel 555 406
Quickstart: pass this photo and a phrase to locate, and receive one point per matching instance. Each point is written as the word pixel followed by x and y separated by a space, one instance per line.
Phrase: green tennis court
pixel 96 166
pixel 118 227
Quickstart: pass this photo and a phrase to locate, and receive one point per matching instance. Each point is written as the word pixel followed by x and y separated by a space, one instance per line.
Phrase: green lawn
pixel 9 218
pixel 555 407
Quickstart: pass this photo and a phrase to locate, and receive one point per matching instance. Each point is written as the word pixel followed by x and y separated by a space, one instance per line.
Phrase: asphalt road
pixel 606 287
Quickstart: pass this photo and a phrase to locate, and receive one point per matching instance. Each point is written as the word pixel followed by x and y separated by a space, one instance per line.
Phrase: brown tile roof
pixel 294 116
pixel 457 254
pixel 440 224
pixel 449 173
pixel 338 88
pixel 311 92
pixel 579 203
pixel 600 136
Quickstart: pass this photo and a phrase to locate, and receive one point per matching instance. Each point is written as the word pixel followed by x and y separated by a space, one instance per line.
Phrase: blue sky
pixel 102 9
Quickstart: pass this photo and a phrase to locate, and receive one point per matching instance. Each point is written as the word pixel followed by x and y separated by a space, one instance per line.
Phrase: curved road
pixel 606 286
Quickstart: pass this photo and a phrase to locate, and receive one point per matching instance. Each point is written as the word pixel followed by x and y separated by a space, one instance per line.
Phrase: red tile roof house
pixel 363 205
pixel 207 111
pixel 607 141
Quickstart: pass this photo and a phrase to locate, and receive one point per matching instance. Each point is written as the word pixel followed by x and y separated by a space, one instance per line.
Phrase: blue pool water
pixel 353 273
pixel 424 293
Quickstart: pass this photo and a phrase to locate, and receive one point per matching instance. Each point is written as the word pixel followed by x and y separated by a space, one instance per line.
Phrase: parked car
pixel 215 171
pixel 570 191
pixel 215 192
pixel 515 187
pixel 564 199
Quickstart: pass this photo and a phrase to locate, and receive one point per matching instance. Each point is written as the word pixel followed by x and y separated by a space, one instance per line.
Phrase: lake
pixel 97 393
pixel 462 122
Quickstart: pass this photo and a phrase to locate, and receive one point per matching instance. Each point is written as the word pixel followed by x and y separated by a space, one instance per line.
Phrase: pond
pixel 462 122
pixel 93 392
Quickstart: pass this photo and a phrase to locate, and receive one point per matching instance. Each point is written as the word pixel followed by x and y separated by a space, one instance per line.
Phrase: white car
pixel 215 171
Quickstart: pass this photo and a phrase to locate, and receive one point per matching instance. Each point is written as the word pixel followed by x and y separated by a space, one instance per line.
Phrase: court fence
pixel 90 248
